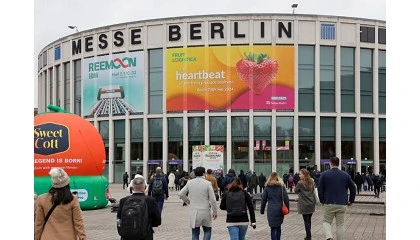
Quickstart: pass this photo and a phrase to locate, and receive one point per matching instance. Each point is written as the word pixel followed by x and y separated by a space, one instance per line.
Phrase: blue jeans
pixel 160 199
pixel 275 233
pixel 196 233
pixel 237 232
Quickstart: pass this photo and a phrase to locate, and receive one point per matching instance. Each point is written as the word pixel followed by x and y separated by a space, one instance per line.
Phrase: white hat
pixel 59 178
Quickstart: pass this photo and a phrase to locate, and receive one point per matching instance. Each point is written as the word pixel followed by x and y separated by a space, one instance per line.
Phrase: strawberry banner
pixel 230 77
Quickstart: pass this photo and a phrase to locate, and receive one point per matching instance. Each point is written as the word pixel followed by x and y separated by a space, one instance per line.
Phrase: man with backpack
pixel 137 214
pixel 158 188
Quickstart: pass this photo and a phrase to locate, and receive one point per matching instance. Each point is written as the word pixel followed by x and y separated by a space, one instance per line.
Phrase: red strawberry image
pixel 257 70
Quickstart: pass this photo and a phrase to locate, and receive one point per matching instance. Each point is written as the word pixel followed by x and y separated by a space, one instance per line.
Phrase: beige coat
pixel 65 222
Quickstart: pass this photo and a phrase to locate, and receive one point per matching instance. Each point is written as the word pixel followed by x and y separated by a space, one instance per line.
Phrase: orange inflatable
pixel 68 141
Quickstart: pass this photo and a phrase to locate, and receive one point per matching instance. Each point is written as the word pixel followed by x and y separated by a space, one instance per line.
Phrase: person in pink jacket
pixel 65 221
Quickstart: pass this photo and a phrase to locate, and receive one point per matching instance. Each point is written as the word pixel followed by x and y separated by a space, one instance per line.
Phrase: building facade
pixel 279 92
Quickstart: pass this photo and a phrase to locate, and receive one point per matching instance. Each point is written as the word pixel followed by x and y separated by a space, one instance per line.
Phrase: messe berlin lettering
pixel 195 31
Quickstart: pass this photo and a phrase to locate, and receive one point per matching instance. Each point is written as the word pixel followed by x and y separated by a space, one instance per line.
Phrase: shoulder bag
pixel 49 213
pixel 284 208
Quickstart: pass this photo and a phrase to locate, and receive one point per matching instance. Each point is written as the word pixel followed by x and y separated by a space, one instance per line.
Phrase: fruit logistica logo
pixel 51 138
pixel 117 63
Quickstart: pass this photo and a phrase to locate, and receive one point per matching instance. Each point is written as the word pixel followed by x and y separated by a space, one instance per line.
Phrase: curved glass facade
pixel 156 88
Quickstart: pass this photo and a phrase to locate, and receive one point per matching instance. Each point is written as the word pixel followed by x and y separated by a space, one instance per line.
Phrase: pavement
pixel 364 220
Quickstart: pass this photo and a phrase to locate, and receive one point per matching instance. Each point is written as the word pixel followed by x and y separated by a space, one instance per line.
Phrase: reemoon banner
pixel 230 77
pixel 113 83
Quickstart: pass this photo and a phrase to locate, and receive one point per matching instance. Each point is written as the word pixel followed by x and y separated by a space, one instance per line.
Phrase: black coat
pixel 154 215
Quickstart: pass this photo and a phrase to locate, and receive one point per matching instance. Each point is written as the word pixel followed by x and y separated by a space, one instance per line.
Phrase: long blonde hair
pixel 274 179
pixel 307 180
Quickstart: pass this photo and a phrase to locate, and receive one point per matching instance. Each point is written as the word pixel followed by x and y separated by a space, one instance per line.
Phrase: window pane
pixel 347 79
pixel 306 79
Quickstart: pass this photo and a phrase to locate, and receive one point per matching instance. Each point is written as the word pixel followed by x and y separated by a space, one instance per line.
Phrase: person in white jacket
pixel 199 195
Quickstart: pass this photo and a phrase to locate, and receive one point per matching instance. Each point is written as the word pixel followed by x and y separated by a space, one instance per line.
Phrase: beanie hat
pixel 59 178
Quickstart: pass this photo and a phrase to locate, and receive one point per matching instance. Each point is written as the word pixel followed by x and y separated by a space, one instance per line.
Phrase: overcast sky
pixel 53 17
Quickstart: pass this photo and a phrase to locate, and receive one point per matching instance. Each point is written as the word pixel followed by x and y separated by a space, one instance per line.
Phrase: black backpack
pixel 134 222
pixel 157 188
pixel 235 203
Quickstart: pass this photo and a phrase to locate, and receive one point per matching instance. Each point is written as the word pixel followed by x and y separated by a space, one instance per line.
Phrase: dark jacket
pixel 274 195
pixel 243 218
pixel 227 179
pixel 164 185
pixel 152 208
pixel 358 179
pixel 261 180
pixel 333 187
pixel 242 177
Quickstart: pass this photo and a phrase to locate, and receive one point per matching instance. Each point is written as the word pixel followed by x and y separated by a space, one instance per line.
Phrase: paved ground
pixel 363 221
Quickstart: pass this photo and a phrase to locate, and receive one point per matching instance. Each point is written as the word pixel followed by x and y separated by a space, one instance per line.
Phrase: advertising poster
pixel 113 84
pixel 208 156
pixel 197 156
pixel 230 77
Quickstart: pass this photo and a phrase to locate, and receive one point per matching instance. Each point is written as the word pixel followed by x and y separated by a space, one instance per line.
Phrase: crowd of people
pixel 201 190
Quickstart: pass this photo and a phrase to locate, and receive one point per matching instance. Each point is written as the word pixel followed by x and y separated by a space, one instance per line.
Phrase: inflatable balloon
pixel 68 141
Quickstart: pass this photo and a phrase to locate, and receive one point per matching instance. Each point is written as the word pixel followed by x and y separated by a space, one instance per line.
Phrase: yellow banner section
pixel 214 77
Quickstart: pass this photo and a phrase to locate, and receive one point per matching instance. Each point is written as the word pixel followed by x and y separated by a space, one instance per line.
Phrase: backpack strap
pixel 49 213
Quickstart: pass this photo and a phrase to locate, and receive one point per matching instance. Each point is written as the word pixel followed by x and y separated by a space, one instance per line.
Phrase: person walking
pixel 177 177
pixel 125 180
pixel 171 181
pixel 290 182
pixel 139 173
pixel 334 185
pixel 359 182
pixel 154 217
pixel 158 188
pixel 236 201
pixel 306 204
pixel 209 177
pixel 377 185
pixel 261 182
pixel 199 195
pixel 58 214
pixel 242 177
pixel 228 178
pixel 253 183
pixel 274 194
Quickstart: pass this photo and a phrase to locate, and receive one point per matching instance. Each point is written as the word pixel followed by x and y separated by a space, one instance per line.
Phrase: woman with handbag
pixel 305 189
pixel 58 214
pixel 275 194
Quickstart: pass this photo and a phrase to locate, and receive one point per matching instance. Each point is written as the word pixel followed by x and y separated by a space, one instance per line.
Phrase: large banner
pixel 230 77
pixel 113 83
pixel 208 156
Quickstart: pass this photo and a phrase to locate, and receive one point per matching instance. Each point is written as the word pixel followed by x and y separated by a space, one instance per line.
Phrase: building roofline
pixel 209 16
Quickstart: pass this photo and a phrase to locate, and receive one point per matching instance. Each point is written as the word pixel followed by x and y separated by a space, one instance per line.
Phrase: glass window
pixel 155 139
pixel 327 79
pixel 327 131
pixel 284 147
pixel 67 86
pixel 195 135
pixel 57 86
pixel 382 81
pixel 155 81
pixel 366 131
pixel 57 52
pixel 347 80
pixel 136 143
pixel 306 78
pixel 262 135
pixel 119 130
pixel 367 34
pixel 218 128
pixel 382 139
pixel 77 87
pixel 175 138
pixel 366 81
pixel 328 31
pixel 382 35
pixel 51 80
pixel 306 142
pixel 240 143
pixel 347 138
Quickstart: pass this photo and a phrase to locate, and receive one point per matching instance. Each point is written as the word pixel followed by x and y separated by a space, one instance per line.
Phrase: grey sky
pixel 53 17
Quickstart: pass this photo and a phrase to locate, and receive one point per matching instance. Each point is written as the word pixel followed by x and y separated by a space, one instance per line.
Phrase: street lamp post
pixel 294 6
pixel 73 27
